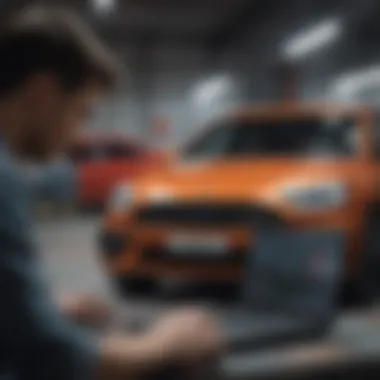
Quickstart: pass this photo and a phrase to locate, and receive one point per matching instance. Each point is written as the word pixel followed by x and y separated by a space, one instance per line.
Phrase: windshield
pixel 312 137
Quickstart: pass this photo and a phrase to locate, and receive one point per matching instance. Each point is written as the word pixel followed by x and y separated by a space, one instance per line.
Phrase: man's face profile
pixel 52 116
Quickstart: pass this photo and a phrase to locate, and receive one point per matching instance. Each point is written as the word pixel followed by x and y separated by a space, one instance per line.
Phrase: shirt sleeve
pixel 36 340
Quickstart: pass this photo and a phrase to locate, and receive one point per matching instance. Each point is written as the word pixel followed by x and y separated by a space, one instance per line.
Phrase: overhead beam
pixel 138 38
pixel 145 75
pixel 183 6
pixel 239 22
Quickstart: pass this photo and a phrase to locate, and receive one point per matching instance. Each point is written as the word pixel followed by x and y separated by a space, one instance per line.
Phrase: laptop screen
pixel 294 271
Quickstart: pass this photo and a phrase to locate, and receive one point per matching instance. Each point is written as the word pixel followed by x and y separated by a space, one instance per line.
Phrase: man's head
pixel 53 70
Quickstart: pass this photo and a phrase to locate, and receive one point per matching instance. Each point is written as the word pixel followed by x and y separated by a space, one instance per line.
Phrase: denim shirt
pixel 36 340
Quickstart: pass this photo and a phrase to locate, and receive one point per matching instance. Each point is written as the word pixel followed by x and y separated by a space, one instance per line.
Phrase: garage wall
pixel 162 78
pixel 121 110
pixel 158 86
pixel 256 55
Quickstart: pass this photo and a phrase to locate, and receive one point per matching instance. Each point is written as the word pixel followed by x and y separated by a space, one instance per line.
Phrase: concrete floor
pixel 69 253
pixel 68 249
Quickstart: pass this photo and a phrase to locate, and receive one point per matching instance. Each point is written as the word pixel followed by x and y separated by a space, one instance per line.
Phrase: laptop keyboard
pixel 246 328
pixel 249 318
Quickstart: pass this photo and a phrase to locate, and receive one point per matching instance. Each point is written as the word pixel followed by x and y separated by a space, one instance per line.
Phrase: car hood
pixel 237 179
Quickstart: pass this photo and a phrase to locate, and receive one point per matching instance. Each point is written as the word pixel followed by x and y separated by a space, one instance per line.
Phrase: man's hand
pixel 180 339
pixel 187 336
pixel 85 310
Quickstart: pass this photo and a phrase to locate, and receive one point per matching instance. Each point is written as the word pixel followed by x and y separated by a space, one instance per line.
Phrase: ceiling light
pixel 103 6
pixel 207 91
pixel 352 83
pixel 311 40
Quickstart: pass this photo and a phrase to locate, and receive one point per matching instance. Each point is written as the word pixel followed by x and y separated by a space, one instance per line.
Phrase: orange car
pixel 298 165
pixel 102 160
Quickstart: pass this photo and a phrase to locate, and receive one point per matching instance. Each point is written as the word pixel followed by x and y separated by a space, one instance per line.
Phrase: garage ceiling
pixel 213 24
pixel 178 22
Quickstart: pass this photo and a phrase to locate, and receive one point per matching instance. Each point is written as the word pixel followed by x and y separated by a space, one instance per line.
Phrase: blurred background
pixel 190 61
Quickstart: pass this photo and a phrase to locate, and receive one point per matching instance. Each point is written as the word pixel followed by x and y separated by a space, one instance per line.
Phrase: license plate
pixel 204 245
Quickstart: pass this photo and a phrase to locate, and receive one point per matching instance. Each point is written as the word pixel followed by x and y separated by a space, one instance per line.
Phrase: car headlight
pixel 317 197
pixel 121 199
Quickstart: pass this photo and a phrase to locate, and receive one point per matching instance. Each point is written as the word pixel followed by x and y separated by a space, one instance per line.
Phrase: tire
pixel 366 288
pixel 134 286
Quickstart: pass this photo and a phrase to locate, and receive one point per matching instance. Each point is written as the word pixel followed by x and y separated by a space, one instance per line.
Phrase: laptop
pixel 290 291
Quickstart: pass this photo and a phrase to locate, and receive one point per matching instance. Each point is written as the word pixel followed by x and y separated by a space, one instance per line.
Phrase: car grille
pixel 208 214
pixel 163 256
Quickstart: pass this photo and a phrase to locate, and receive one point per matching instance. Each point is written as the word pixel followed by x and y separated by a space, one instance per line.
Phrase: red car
pixel 102 160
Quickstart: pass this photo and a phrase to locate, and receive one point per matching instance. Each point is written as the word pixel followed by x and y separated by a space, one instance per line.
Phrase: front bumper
pixel 124 255
pixel 137 247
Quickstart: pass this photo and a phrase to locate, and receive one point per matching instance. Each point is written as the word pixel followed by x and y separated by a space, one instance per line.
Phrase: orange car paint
pixel 253 181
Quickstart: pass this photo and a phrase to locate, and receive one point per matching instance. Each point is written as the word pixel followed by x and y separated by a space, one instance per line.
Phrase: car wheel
pixel 367 283
pixel 134 286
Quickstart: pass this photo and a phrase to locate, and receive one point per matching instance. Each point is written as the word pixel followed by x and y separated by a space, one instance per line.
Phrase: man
pixel 52 73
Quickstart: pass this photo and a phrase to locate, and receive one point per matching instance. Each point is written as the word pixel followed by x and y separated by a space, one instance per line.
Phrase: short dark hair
pixel 55 40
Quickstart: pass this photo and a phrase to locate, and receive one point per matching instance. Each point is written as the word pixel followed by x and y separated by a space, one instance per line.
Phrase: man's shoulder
pixel 11 181
pixel 14 206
